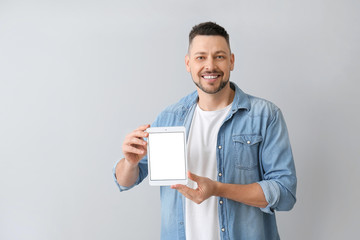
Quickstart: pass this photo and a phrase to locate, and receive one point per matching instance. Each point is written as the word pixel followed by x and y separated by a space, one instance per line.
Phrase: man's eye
pixel 200 58
pixel 220 57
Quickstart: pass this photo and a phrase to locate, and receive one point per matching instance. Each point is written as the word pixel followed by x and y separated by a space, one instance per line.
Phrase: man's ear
pixel 232 62
pixel 187 62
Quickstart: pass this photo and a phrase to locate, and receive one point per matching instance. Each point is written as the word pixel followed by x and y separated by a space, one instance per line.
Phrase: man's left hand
pixel 206 188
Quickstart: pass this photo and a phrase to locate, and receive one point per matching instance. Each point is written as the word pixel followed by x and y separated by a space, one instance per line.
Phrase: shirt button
pixel 248 142
pixel 220 147
pixel 221 202
pixel 220 174
pixel 223 229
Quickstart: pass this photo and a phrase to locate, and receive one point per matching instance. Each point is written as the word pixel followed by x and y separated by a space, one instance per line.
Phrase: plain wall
pixel 77 76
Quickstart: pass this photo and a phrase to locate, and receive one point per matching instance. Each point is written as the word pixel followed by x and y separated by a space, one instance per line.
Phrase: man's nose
pixel 209 64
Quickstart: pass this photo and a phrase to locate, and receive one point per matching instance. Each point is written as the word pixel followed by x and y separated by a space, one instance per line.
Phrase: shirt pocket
pixel 246 150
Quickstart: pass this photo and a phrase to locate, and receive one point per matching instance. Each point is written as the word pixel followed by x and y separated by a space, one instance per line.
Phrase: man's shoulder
pixel 256 106
pixel 183 104
pixel 176 112
pixel 261 106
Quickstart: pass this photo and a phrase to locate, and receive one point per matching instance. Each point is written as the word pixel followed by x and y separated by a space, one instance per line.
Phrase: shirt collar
pixel 241 99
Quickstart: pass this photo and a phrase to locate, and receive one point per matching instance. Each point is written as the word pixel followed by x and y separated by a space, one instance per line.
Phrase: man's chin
pixel 211 88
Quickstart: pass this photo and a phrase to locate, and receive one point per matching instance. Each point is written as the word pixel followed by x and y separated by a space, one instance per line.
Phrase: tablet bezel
pixel 167 182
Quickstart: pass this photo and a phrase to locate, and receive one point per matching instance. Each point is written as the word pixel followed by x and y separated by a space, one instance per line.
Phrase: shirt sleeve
pixel 143 172
pixel 279 176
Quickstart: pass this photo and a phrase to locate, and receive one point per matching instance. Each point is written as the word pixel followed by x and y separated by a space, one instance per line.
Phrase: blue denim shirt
pixel 255 147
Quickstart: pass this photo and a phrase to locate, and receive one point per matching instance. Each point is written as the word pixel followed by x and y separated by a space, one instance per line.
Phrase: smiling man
pixel 209 61
pixel 239 155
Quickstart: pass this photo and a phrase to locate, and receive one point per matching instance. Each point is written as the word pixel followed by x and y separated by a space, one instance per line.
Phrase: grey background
pixel 77 76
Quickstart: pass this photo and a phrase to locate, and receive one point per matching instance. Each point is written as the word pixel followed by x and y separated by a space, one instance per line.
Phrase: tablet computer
pixel 167 156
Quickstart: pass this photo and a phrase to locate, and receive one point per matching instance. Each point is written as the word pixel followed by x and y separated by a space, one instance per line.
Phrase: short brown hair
pixel 208 29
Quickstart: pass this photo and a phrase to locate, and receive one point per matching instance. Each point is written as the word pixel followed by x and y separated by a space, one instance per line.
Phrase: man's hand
pixel 206 188
pixel 134 149
pixel 134 146
pixel 249 194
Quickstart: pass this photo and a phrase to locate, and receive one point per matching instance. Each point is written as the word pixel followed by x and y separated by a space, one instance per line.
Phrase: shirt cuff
pixel 271 191
pixel 123 188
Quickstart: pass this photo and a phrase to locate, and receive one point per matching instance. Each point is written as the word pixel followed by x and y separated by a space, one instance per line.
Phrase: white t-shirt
pixel 202 220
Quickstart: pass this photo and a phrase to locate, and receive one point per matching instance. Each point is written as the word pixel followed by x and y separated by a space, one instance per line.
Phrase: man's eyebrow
pixel 221 51
pixel 217 52
pixel 200 53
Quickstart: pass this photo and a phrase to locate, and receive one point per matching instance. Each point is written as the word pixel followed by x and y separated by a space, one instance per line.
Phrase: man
pixel 240 159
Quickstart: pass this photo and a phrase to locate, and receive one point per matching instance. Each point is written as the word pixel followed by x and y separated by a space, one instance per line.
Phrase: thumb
pixel 193 177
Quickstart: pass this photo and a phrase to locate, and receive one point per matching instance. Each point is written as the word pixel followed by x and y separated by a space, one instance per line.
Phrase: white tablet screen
pixel 167 156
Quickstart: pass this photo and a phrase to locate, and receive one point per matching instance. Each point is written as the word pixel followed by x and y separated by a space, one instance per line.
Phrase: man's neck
pixel 213 102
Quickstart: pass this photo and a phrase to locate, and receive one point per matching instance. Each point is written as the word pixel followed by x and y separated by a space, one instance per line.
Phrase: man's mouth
pixel 210 77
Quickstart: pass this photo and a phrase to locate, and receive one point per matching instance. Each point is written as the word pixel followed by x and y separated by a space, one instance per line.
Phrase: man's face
pixel 209 62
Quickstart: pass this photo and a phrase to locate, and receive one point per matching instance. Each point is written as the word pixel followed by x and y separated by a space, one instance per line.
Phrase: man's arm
pixel 126 173
pixel 249 194
pixel 134 149
pixel 277 189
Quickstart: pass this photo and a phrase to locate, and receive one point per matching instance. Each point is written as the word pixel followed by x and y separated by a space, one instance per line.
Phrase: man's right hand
pixel 134 146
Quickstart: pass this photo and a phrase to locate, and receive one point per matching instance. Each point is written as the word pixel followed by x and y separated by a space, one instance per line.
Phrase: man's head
pixel 209 58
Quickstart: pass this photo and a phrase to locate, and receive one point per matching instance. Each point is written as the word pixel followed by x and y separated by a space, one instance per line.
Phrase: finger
pixel 138 134
pixel 137 141
pixel 189 193
pixel 193 177
pixel 131 149
pixel 176 186
pixel 179 187
pixel 185 190
pixel 143 127
pixel 132 141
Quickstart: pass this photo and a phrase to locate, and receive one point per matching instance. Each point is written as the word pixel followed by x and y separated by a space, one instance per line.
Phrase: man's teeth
pixel 210 77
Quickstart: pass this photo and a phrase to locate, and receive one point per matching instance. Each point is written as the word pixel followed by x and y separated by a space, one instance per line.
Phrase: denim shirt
pixel 252 146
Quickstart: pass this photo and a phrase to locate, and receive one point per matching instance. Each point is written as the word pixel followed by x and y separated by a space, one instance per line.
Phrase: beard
pixel 212 91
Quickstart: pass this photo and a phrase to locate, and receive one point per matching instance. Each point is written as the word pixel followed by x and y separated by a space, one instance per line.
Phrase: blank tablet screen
pixel 167 159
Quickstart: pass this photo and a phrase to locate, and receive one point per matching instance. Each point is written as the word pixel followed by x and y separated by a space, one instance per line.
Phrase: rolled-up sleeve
pixel 143 171
pixel 279 176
